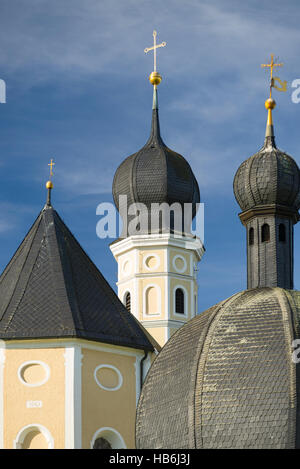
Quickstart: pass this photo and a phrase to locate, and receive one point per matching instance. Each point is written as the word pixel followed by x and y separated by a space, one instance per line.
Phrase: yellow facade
pixel 33 406
pixel 104 408
pixel 66 394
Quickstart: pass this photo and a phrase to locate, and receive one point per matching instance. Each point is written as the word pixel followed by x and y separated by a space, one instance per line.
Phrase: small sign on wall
pixel 34 404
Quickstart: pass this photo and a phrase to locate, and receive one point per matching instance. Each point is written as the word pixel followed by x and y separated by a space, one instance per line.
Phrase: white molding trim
pixel 111 367
pixel 184 268
pixel 163 323
pixel 167 297
pixel 65 343
pixel 73 384
pixel 158 289
pixel 34 362
pixel 190 243
pixel 111 435
pixel 29 428
pixel 2 363
pixel 78 397
pixel 178 315
pixel 193 309
pixel 191 265
pixel 135 300
pixel 146 367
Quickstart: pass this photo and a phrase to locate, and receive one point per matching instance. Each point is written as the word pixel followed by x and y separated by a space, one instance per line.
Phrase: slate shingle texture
pixel 268 177
pixel 156 174
pixel 226 379
pixel 52 289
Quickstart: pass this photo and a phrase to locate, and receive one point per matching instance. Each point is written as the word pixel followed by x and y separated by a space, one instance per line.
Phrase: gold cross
pixel 51 164
pixel 271 66
pixel 155 46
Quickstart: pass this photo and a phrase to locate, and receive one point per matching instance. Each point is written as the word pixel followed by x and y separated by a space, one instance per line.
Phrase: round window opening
pixel 151 262
pixel 34 373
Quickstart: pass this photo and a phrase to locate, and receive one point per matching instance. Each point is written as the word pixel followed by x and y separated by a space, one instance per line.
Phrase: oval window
pixel 34 373
pixel 108 377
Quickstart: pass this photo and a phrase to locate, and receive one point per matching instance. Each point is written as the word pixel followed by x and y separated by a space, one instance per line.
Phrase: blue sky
pixel 78 92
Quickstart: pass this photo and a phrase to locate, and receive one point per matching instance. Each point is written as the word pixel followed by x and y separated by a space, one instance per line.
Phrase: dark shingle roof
pixel 51 289
pixel 268 177
pixel 226 379
pixel 155 174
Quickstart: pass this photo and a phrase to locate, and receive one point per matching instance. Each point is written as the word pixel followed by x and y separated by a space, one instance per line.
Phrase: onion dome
pixel 227 379
pixel 268 177
pixel 155 173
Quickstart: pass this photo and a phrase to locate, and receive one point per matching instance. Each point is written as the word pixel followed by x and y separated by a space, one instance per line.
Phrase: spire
pixel 270 102
pixel 49 184
pixel 155 137
pixel 155 79
pixel 270 137
pixel 267 188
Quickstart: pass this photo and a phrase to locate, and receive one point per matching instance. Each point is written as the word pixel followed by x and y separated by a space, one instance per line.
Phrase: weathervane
pixel 270 103
pixel 283 84
pixel 155 77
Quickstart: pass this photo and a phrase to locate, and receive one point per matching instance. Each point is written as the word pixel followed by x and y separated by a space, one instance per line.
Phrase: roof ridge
pixel 51 212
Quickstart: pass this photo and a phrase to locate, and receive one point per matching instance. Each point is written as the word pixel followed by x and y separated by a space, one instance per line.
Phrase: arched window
pixel 128 302
pixel 251 236
pixel 107 438
pixel 282 237
pixel 101 443
pixel 265 233
pixel 34 437
pixel 35 440
pixel 179 301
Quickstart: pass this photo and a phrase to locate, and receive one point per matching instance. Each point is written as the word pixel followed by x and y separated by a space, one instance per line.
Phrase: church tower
pixel 157 260
pixel 72 359
pixel 266 187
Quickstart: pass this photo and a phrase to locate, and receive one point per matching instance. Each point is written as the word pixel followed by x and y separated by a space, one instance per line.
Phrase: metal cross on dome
pixel 154 47
pixel 51 164
pixel 272 65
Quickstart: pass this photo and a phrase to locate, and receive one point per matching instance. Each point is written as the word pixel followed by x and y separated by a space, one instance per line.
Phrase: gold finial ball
pixel 49 185
pixel 155 78
pixel 270 103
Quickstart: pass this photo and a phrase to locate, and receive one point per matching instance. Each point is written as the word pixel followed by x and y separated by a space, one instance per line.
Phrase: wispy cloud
pixel 77 91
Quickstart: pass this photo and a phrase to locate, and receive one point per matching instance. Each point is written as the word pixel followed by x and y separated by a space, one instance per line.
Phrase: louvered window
pixel 128 302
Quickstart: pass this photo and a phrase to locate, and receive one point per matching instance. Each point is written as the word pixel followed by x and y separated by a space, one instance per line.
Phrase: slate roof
pixel 226 379
pixel 51 289
pixel 268 177
pixel 156 174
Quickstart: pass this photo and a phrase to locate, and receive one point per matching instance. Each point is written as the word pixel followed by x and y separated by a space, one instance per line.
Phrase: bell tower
pixel 157 262
pixel 266 186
